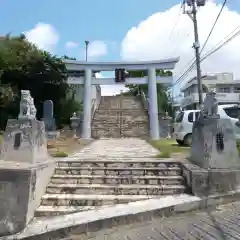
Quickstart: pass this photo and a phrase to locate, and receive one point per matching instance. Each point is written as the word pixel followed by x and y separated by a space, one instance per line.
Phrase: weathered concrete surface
pixel 215 162
pixel 21 189
pixel 120 148
pixel 24 141
pixel 122 221
pixel 214 144
pixel 219 224
pixel 205 182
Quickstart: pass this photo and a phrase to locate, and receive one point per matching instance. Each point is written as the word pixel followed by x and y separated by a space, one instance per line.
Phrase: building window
pixel 224 90
pixel 237 89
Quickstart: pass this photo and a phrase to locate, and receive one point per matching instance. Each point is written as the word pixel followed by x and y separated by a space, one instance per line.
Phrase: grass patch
pixel 66 145
pixel 167 147
pixel 59 154
pixel 163 155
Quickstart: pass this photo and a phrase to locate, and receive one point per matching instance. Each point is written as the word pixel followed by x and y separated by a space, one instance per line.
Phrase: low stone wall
pixel 21 189
pixel 206 182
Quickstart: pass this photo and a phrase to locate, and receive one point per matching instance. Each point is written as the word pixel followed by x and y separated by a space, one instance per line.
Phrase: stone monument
pixel 49 120
pixel 25 168
pixel 215 163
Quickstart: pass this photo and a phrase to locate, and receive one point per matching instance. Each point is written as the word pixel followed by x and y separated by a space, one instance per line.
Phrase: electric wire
pixel 218 46
pixel 192 62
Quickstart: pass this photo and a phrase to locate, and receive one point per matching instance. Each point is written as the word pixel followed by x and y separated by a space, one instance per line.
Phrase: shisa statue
pixel 27 107
pixel 210 106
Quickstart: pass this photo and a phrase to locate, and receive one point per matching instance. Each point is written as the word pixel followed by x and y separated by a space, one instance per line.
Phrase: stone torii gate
pixel 88 80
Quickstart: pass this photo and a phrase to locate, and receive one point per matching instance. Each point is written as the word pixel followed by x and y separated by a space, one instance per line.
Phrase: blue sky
pixel 78 20
pixel 110 20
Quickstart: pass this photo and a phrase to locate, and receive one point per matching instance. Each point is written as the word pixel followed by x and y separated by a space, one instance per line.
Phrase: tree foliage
pixel 164 101
pixel 24 66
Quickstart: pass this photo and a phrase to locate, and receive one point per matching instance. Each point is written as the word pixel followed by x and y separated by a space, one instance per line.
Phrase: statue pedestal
pixel 25 172
pixel 214 144
pixel 24 141
pixel 214 166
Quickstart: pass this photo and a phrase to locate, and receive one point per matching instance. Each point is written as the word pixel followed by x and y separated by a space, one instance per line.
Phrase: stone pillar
pixel 153 106
pixel 87 114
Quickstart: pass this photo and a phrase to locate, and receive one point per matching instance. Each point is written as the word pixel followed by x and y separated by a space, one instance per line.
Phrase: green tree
pixel 164 99
pixel 24 66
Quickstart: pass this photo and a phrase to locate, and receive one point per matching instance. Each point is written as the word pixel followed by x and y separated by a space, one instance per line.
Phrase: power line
pixel 217 47
pixel 192 62
pixel 210 33
pixel 175 24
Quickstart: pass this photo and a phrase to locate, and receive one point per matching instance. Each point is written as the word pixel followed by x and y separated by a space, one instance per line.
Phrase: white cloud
pixel 97 49
pixel 71 44
pixel 44 36
pixel 156 38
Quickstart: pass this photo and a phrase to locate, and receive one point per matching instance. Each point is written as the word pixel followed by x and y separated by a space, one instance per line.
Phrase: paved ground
pixel 223 224
pixel 125 147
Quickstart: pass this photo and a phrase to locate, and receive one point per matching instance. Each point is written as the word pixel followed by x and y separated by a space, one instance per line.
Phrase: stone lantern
pixel 76 125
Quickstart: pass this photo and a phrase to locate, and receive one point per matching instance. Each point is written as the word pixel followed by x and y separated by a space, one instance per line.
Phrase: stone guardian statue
pixel 27 108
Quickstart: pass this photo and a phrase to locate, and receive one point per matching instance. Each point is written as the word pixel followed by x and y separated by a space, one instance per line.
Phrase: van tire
pixel 179 142
pixel 187 141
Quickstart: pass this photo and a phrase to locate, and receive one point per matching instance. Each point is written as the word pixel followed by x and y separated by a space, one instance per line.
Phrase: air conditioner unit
pixel 201 3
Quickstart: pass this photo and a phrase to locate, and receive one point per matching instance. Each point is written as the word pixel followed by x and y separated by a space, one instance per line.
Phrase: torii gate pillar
pixel 87 108
pixel 153 105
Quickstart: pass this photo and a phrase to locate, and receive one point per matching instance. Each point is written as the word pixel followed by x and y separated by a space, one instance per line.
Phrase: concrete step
pixel 89 200
pixel 121 189
pixel 60 210
pixel 118 163
pixel 101 179
pixel 113 171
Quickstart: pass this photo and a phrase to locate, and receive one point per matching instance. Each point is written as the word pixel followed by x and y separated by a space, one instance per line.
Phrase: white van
pixel 184 122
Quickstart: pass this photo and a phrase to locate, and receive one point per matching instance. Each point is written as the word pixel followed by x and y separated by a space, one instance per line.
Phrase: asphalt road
pixel 220 224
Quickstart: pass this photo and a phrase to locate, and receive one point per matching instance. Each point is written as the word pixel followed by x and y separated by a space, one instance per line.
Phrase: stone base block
pixel 24 140
pixel 21 189
pixel 205 182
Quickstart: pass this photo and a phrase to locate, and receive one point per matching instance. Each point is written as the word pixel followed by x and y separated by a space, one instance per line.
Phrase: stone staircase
pixel 81 184
pixel 120 116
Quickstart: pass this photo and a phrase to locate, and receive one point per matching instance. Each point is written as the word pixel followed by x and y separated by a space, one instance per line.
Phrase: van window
pixel 179 117
pixel 190 117
pixel 232 112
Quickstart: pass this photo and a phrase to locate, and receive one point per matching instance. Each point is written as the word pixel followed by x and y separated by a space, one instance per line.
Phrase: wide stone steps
pixel 120 116
pixel 100 179
pixel 84 181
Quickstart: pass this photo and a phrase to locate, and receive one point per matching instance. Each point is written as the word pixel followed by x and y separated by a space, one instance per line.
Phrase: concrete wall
pixel 21 189
pixel 79 95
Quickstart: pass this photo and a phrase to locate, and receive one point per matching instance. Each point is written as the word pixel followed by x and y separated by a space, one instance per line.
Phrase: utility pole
pixel 86 52
pixel 192 13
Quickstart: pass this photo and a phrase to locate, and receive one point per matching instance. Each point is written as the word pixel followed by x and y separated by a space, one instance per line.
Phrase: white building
pixel 227 90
